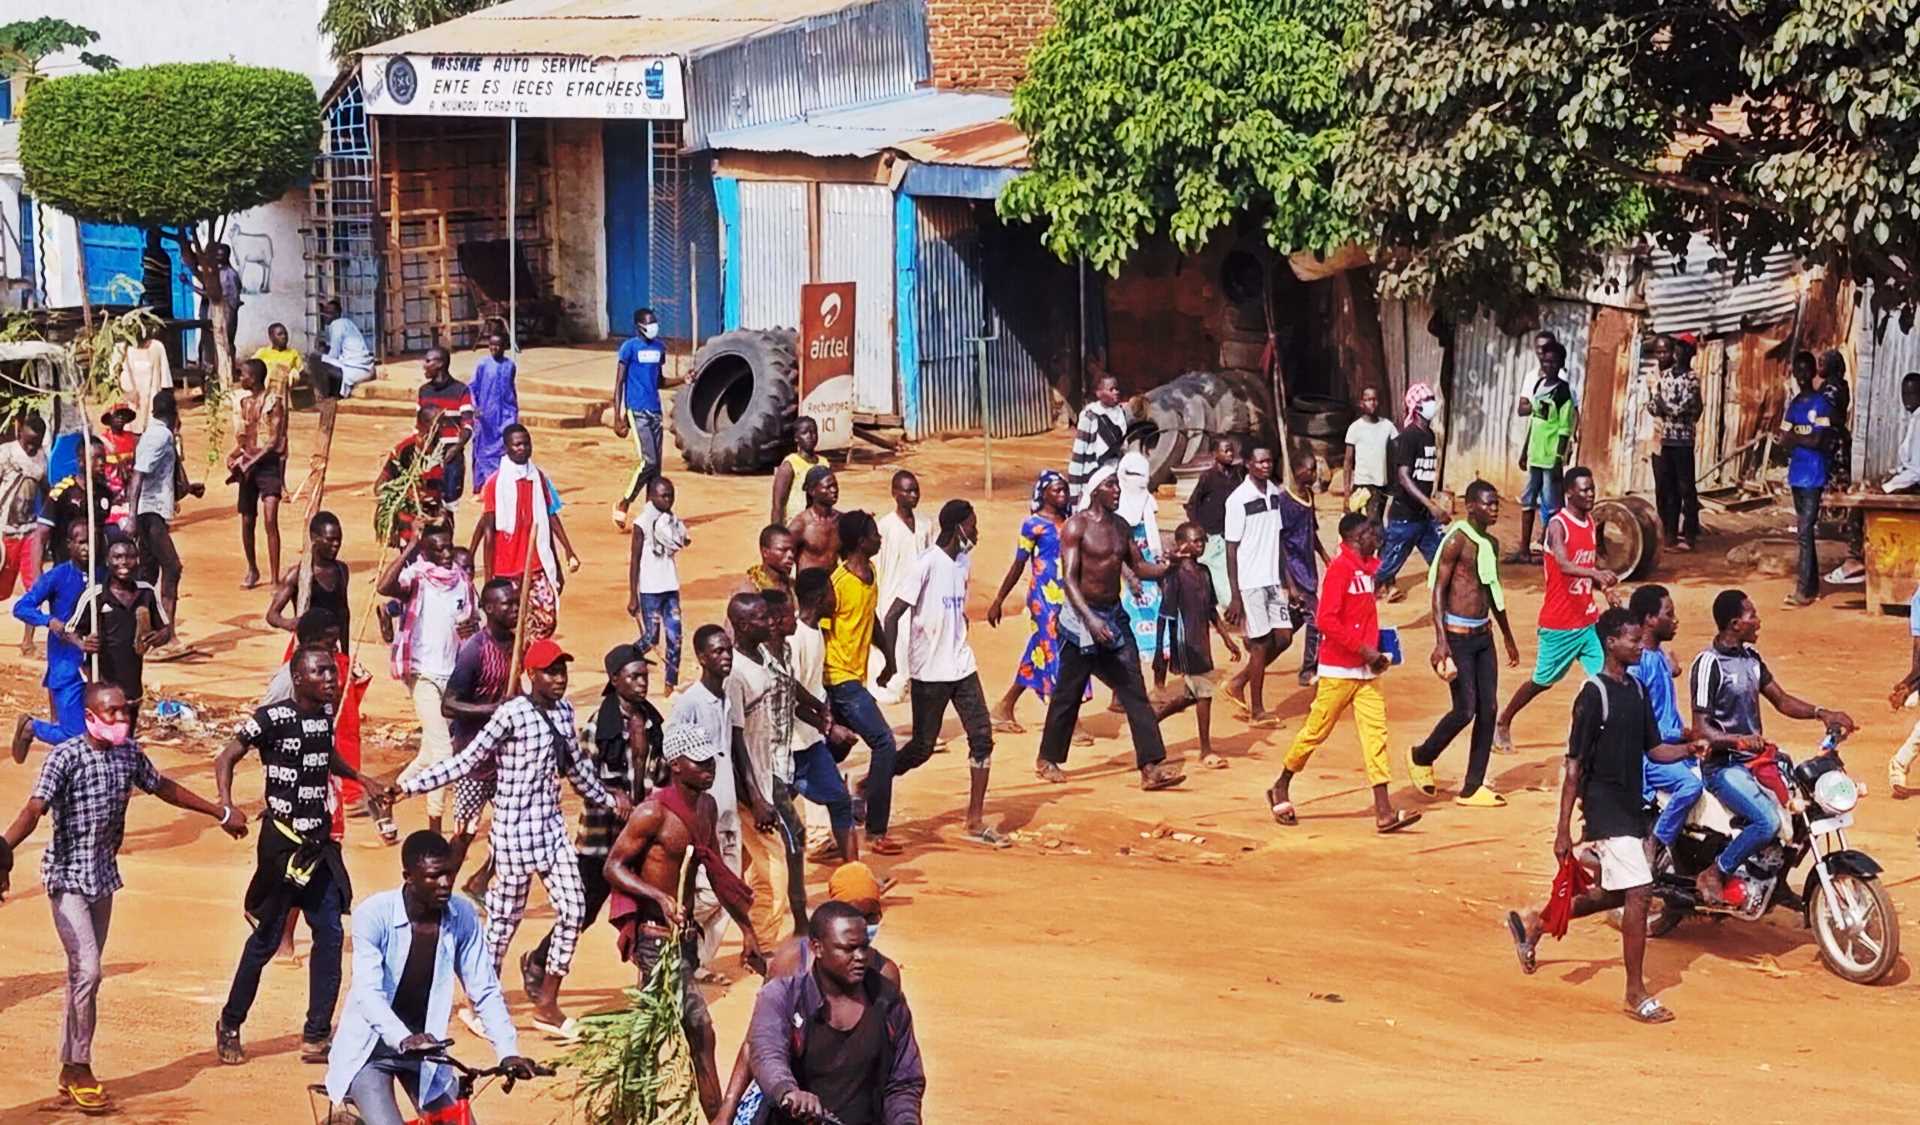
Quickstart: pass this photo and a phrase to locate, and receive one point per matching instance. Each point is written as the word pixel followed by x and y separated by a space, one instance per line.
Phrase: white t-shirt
pixel 1253 521
pixel 154 456
pixel 937 649
pixel 19 476
pixel 438 614
pixel 807 660
pixel 750 702
pixel 662 531
pixel 900 549
pixel 694 705
pixel 1369 440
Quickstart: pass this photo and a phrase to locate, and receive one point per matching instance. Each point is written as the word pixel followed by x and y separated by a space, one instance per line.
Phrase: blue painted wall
pixel 726 198
pixel 906 246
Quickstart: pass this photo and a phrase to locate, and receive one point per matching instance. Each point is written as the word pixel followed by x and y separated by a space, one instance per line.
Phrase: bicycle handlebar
pixel 437 1054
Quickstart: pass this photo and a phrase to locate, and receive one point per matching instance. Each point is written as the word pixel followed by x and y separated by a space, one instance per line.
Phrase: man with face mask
pixel 940 665
pixel 440 602
pixel 531 743
pixel 636 403
pixel 85 784
pixel 1415 514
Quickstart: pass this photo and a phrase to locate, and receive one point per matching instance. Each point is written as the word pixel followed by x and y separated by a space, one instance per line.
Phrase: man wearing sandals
pixel 1096 638
pixel 1613 733
pixel 86 782
pixel 1350 661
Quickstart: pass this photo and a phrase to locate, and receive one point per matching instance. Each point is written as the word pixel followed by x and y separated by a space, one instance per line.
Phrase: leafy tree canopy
pixel 1503 144
pixel 1180 117
pixel 24 43
pixel 171 145
pixel 355 25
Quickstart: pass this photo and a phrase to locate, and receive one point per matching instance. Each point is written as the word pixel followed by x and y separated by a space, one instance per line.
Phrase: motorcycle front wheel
pixel 1861 943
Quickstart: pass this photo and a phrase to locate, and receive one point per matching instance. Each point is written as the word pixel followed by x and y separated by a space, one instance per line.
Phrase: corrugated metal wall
pixel 1708 301
pixel 1884 357
pixel 773 253
pixel 956 268
pixel 1414 355
pixel 856 244
pixel 856 55
pixel 1492 371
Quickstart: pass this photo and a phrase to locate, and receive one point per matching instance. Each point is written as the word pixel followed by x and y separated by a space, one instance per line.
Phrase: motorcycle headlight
pixel 1836 792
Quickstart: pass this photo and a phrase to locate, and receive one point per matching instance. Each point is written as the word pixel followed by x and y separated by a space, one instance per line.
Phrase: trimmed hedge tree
pixel 177 146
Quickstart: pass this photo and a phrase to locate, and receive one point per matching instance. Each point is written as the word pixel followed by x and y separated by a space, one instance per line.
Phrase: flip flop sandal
pixel 1402 818
pixel 90 1100
pixel 566 1032
pixel 1162 776
pixel 1650 1010
pixel 472 1019
pixel 1213 762
pixel 1008 726
pixel 1503 743
pixel 703 976
pixel 1082 740
pixel 1284 814
pixel 884 845
pixel 987 838
pixel 1050 773
pixel 1522 948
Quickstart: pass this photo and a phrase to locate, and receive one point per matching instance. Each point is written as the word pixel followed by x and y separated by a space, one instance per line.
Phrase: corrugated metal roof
pixel 989 144
pixel 1691 296
pixel 604 28
pixel 865 130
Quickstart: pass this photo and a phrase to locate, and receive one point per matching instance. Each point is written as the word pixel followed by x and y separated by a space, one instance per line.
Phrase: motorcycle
pixel 1849 911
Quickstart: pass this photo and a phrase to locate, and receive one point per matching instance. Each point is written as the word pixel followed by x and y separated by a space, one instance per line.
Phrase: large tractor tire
pixel 1317 416
pixel 736 414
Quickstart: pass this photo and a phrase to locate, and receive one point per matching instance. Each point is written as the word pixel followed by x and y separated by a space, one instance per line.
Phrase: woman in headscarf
pixel 1039 549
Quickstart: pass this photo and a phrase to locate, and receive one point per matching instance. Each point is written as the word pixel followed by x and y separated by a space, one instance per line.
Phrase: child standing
pixel 120 443
pixel 654 578
pixel 1189 608
pixel 131 623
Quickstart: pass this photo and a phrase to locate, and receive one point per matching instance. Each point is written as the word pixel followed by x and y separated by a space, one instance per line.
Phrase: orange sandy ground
pixel 1320 973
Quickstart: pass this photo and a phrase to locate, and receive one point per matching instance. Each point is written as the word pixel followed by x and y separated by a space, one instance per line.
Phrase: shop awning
pixel 604 29
pixel 868 129
pixel 971 162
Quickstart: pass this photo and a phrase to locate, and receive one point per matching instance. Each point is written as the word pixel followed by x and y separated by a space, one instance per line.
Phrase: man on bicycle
pixel 408 946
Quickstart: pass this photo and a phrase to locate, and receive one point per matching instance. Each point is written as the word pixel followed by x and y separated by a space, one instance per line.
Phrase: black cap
pixel 619 656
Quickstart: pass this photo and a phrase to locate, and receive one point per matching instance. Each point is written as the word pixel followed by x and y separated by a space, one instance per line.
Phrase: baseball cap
pixel 687 741
pixel 619 656
pixel 545 653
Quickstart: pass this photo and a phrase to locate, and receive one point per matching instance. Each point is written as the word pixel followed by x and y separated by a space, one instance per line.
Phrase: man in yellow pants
pixel 1350 661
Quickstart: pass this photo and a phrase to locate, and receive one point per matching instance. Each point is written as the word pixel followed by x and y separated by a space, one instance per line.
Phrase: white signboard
pixel 524 86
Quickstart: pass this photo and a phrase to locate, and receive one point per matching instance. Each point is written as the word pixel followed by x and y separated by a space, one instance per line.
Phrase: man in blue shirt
pixel 409 945
pixel 1807 430
pixel 50 602
pixel 1678 777
pixel 636 403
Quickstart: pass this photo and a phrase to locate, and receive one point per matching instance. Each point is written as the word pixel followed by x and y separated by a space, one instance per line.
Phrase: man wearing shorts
pixel 1613 727
pixel 258 463
pixel 1260 604
pixel 156 465
pixel 1568 613
pixel 478 686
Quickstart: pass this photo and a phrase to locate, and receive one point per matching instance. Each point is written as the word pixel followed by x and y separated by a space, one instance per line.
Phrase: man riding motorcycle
pixel 1728 680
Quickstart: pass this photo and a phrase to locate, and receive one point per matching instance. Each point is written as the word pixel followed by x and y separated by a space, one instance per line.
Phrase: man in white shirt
pixel 940 664
pixel 1260 603
pixel 347 362
pixel 440 604
pixel 156 460
pixel 1099 436
pixel 903 539
pixel 1367 440
pixel 703 703
pixel 759 700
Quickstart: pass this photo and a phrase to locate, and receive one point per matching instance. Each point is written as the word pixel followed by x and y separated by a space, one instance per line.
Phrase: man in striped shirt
pixel 1099 437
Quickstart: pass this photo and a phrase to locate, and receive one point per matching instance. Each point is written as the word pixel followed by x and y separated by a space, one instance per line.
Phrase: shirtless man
pixel 816 530
pixel 644 870
pixel 1096 640
pixel 1467 597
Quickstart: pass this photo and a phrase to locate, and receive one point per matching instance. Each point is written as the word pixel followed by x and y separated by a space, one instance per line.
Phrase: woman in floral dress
pixel 1039 548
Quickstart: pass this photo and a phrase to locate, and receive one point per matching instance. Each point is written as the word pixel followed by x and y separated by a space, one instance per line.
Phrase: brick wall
pixel 983 44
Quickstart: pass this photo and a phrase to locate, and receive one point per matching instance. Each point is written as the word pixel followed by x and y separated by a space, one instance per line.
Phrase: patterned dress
pixel 1046 597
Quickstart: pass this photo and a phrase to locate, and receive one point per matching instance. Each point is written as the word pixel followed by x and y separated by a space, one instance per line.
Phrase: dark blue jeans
pixel 320 901
pixel 1806 509
pixel 1403 535
pixel 372 1089
pixel 1743 796
pixel 816 776
pixel 853 706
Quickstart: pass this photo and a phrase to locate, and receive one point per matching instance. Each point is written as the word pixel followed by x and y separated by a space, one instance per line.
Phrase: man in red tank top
pixel 1568 613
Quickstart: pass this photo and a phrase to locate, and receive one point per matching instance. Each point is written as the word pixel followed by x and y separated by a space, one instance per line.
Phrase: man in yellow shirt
pixel 850 632
pixel 281 360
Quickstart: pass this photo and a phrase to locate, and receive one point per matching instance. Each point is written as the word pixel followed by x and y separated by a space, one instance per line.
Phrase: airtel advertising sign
pixel 826 360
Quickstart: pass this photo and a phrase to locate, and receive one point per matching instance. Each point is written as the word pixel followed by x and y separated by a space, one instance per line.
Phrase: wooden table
pixel 1892 543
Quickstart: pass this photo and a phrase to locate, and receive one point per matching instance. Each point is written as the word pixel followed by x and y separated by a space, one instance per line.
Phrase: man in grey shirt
pixel 156 464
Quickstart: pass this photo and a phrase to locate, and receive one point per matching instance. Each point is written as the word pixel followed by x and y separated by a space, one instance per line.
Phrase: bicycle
pixel 459 1113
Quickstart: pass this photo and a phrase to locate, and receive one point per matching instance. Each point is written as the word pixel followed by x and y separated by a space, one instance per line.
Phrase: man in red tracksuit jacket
pixel 1350 660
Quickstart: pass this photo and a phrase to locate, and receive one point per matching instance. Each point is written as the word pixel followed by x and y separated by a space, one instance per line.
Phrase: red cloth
pixel 1765 768
pixel 1349 616
pixel 510 551
pixel 1569 601
pixel 1569 883
pixel 728 887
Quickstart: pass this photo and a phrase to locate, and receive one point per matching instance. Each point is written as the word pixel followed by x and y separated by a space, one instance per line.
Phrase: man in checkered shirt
pixel 86 783
pixel 530 741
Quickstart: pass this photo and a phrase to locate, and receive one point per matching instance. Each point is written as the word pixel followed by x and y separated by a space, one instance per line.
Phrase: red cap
pixel 545 653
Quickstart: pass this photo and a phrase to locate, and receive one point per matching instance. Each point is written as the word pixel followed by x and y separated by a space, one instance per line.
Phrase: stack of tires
pixel 1191 409
pixel 736 414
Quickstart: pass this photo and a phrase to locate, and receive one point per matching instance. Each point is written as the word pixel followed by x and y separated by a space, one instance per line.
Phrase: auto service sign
pixel 826 360
pixel 642 88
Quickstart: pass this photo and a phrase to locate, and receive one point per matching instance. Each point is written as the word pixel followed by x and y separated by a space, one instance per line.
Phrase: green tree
pixel 24 43
pixel 354 25
pixel 1181 117
pixel 1504 144
pixel 180 146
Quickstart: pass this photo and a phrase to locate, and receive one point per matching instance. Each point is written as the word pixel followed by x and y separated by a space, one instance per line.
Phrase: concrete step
pixel 404 379
pixel 572 419
pixel 538 400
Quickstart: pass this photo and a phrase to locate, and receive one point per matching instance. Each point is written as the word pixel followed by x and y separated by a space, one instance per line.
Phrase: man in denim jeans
pixel 636 404
pixel 1552 420
pixel 850 632
pixel 1807 430
pixel 1728 680
pixel 1414 513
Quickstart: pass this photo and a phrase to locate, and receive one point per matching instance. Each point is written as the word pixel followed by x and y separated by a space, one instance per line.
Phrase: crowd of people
pixel 702 815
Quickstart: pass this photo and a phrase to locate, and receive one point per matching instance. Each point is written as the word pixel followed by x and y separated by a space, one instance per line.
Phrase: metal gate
pixel 773 253
pixel 856 244
pixel 110 254
pixel 1492 372
pixel 957 307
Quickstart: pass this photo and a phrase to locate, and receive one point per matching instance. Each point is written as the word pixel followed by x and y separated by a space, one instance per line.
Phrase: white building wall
pixel 266 241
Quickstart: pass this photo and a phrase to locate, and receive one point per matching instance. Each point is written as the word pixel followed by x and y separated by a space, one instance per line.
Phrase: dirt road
pixel 1092 973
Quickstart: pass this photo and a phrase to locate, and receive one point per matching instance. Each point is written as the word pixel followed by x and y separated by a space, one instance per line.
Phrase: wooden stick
pixel 93 529
pixel 526 589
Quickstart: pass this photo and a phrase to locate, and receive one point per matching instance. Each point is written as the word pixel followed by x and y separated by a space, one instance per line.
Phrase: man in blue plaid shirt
pixel 532 741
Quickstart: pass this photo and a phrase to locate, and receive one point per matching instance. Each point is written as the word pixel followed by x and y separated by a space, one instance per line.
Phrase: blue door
pixel 110 255
pixel 29 263
pixel 624 148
